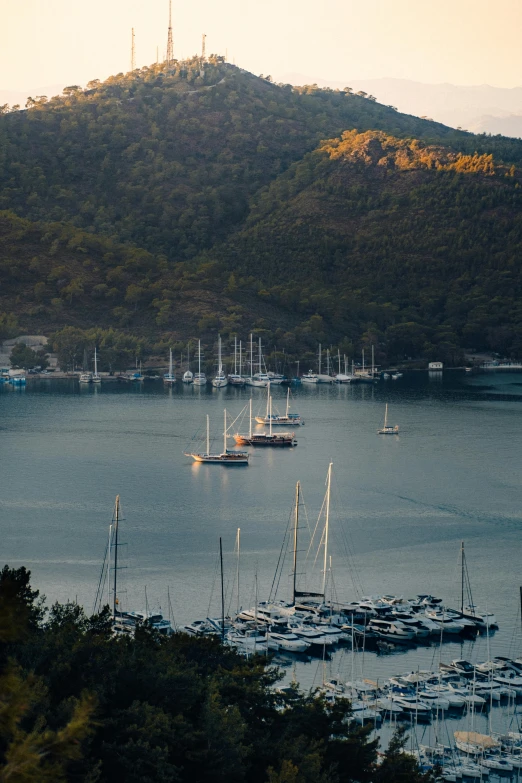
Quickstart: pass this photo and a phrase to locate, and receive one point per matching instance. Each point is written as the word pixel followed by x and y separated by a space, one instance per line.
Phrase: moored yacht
pixel 226 457
pixel 188 376
pixel 200 379
pixel 169 377
pixel 388 429
pixel 221 379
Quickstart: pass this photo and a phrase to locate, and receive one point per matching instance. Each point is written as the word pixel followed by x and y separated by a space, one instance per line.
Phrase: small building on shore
pixel 435 366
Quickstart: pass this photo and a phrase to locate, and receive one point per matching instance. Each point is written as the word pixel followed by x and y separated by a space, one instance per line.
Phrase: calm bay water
pixel 400 505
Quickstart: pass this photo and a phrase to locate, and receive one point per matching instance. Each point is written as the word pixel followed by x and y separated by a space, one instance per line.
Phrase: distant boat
pixel 343 377
pixel 280 439
pixel 221 379
pixel 321 377
pixel 17 380
pixel 86 377
pixel 169 376
pixel 260 378
pixel 235 378
pixel 96 378
pixel 200 379
pixel 388 429
pixel 226 457
pixel 188 377
pixel 275 419
pixel 309 377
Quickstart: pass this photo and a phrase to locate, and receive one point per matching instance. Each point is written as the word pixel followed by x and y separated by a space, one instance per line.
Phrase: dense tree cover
pixel 168 158
pixel 408 246
pixel 22 356
pixel 399 232
pixel 78 704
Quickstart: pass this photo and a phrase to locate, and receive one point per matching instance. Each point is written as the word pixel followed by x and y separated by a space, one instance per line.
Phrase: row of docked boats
pixel 260 376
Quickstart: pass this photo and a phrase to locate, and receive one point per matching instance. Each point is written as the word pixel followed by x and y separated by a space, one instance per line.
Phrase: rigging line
pixel 284 545
pixel 348 545
pixel 315 531
pixel 216 570
pixel 103 576
pixel 241 412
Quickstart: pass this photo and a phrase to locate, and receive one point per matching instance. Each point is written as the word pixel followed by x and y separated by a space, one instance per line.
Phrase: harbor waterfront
pixel 400 505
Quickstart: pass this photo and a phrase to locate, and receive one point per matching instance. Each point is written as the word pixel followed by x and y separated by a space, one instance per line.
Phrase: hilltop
pixel 173 202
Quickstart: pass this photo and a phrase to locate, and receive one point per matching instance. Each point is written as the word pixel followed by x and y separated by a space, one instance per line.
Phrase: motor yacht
pixel 393 630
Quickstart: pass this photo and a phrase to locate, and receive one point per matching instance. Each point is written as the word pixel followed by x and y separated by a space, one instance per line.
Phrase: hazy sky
pixel 45 42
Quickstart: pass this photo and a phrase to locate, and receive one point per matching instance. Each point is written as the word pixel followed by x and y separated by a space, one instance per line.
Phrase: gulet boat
pixel 226 457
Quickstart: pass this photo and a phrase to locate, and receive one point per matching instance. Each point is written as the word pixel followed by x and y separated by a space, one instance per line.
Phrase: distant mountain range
pixel 480 108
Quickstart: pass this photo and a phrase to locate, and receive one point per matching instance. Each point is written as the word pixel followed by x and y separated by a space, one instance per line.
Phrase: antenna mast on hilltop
pixel 133 52
pixel 203 46
pixel 170 42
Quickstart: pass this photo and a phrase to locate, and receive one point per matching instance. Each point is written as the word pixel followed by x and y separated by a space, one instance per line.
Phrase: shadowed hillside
pixel 173 203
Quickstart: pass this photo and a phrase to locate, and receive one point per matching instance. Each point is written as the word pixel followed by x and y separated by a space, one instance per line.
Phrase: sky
pixel 48 42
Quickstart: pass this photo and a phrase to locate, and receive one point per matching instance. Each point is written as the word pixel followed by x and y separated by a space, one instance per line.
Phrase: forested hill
pixel 175 202
pixel 169 160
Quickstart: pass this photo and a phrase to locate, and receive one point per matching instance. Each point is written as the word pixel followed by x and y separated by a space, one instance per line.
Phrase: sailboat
pixel 345 377
pixel 321 377
pixel 123 622
pixel 236 378
pixel 265 438
pixel 276 419
pixel 388 429
pixel 169 376
pixel 200 379
pixel 221 379
pixel 188 377
pixel 96 378
pixel 226 457
pixel 260 378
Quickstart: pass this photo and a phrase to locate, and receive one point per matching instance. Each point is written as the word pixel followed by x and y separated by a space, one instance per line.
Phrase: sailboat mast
pixel 270 410
pixel 235 355
pixel 296 526
pixel 339 360
pixel 319 362
pixel 363 359
pixel 220 366
pixel 188 356
pixel 237 570
pixel 240 359
pixel 287 401
pixel 386 416
pixel 260 359
pixel 222 591
pixel 116 522
pixel 373 360
pixel 199 357
pixel 462 576
pixel 251 354
pixel 326 526
pixel 95 363
pixel 208 434
pixel 250 420
pixel 170 362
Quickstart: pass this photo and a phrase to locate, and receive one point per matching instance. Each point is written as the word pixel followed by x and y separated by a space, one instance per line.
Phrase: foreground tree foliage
pixel 77 704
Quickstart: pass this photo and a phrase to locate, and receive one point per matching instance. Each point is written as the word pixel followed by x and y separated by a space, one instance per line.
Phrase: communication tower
pixel 170 42
pixel 133 52
pixel 203 47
